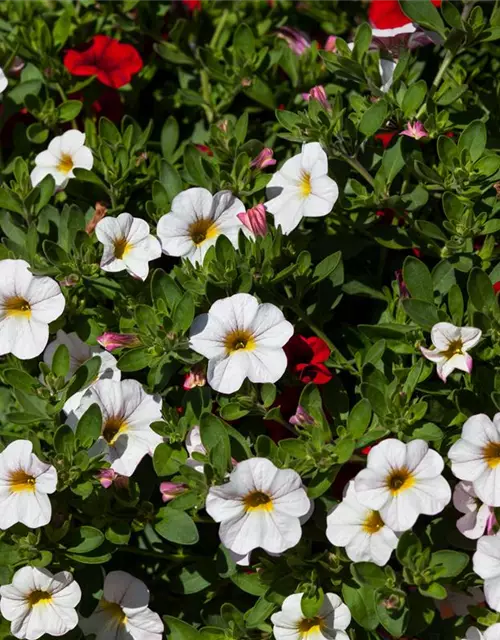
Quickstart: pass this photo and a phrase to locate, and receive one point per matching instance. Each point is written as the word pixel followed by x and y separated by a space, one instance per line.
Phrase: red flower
pixel 113 62
pixel 306 357
pixel 204 149
pixel 385 137
pixel 496 287
pixel 387 14
pixel 192 5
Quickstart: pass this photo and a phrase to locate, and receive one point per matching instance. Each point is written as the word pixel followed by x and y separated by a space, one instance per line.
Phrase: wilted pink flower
pixel 330 44
pixel 301 417
pixel 318 93
pixel 169 490
pixel 415 130
pixel 264 159
pixel 111 341
pixel 255 220
pixel 297 40
pixel 195 378
pixel 107 477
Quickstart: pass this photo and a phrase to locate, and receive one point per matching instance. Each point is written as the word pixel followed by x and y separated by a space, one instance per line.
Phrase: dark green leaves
pixel 89 426
pixel 176 526
pixel 424 13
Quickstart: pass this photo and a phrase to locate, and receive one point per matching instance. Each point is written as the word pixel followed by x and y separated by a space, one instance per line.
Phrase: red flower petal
pixel 496 287
pixel 385 137
pixel 387 14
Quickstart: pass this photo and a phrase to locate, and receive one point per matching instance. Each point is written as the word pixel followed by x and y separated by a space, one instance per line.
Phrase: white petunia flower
pixel 301 188
pixel 123 612
pixel 491 633
pixel 330 622
pixel 25 482
pixel 28 304
pixel 127 411
pixel 38 602
pixel 486 563
pixel 195 445
pixel 476 457
pixel 241 339
pixel 196 221
pixel 260 506
pixel 450 348
pixel 402 481
pixel 478 517
pixel 128 245
pixel 64 153
pixel 386 69
pixel 3 81
pixel 79 353
pixel 360 530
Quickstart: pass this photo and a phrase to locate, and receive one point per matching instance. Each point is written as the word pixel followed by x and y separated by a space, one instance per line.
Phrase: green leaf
pixel 89 426
pixel 169 137
pixel 473 139
pixel 135 359
pixel 244 41
pixel 20 380
pixel 179 630
pixel 69 110
pixel 177 526
pixel 163 287
pixel 413 98
pixel 261 93
pixel 392 162
pixel 480 290
pixel 448 564
pixel 215 439
pixel 421 312
pixel 359 418
pixel 424 13
pixel 373 118
pixel 312 603
pixel 367 573
pixel 170 179
pixel 360 601
pixel 64 440
pixel 183 314
pixel 327 266
pixel 60 361
pixel 85 539
pixel 418 279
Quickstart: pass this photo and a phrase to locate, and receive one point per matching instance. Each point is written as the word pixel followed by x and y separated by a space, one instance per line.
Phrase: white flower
pixel 386 69
pixel 360 530
pixel 123 611
pixel 329 624
pixel 196 221
pixel 127 411
pixel 3 81
pixel 38 602
pixel 195 445
pixel 486 563
pixel 402 481
pixel 241 339
pixel 451 345
pixel 260 506
pixel 491 633
pixel 64 153
pixel 79 353
pixel 25 482
pixel 478 516
pixel 128 245
pixel 301 188
pixel 476 457
pixel 28 304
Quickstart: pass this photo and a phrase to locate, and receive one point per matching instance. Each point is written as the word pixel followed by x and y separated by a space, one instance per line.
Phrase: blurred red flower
pixel 387 14
pixel 496 287
pixel 385 137
pixel 192 5
pixel 306 357
pixel 113 62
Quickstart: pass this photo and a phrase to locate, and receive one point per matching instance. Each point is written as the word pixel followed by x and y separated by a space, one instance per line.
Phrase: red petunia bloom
pixel 385 137
pixel 496 287
pixel 192 5
pixel 306 357
pixel 113 62
pixel 387 14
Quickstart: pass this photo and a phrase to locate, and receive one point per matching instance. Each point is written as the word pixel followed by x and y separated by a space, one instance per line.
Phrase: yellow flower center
pixel 454 348
pixel 113 610
pixel 239 340
pixel 258 501
pixel 310 625
pixel 65 163
pixel 122 247
pixel 400 480
pixel 17 306
pixel 201 230
pixel 373 523
pixel 491 454
pixel 305 184
pixel 20 481
pixel 113 429
pixel 39 597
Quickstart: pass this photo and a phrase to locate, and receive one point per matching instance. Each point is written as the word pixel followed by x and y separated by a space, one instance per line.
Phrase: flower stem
pixel 356 164
pixel 218 30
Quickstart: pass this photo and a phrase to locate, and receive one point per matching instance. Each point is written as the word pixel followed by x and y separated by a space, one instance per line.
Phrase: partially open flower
pixel 297 40
pixel 318 93
pixel 451 345
pixel 170 490
pixel 195 378
pixel 415 130
pixel 254 219
pixel 111 341
pixel 263 159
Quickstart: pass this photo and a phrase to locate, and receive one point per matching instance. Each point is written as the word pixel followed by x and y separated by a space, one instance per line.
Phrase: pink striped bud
pixel 170 490
pixel 111 341
pixel 255 220
pixel 264 159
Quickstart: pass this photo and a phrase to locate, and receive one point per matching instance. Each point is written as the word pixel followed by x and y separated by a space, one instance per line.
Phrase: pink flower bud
pixel 318 93
pixel 106 477
pixel 169 490
pixel 264 159
pixel 330 44
pixel 195 378
pixel 301 418
pixel 415 130
pixel 297 40
pixel 111 341
pixel 255 220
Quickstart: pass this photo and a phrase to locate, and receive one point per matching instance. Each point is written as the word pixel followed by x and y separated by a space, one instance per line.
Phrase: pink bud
pixel 246 82
pixel 301 417
pixel 222 125
pixel 195 378
pixel 318 93
pixel 255 220
pixel 169 490
pixel 415 130
pixel 111 341
pixel 106 477
pixel 264 159
pixel 330 44
pixel 297 40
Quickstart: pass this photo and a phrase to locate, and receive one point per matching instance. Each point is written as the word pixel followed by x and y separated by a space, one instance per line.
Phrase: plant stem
pixel 356 164
pixel 218 30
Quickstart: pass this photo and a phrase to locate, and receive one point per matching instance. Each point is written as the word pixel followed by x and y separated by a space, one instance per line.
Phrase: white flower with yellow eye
pixel 128 245
pixel 28 304
pixel 241 339
pixel 260 506
pixel 123 612
pixel 25 482
pixel 196 221
pixel 402 481
pixel 37 602
pixel 301 188
pixel 486 563
pixel 491 633
pixel 64 153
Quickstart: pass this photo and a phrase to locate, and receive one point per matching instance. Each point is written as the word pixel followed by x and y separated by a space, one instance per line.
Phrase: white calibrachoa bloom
pixel 260 506
pixel 196 221
pixel 128 245
pixel 301 188
pixel 402 481
pixel 3 81
pixel 386 69
pixel 79 353
pixel 127 411
pixel 478 517
pixel 476 457
pixel 64 153
pixel 25 482
pixel 491 633
pixel 38 602
pixel 241 339
pixel 451 345
pixel 28 304
pixel 195 445
pixel 486 563
pixel 123 611
pixel 330 623
pixel 360 530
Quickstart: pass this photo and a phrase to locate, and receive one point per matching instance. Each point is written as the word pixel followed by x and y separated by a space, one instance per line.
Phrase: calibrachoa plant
pixel 249 325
